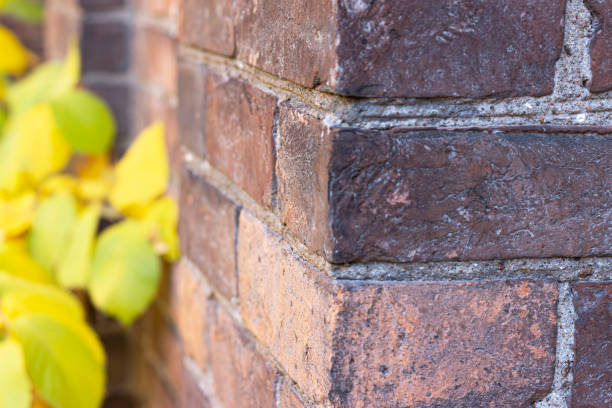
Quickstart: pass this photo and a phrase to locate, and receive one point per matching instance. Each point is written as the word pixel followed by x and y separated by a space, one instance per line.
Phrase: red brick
pixel 208 231
pixel 592 387
pixel 155 59
pixel 428 344
pixel 242 377
pixel 191 106
pixel 239 134
pixel 288 397
pixel 190 312
pixel 105 46
pixel 601 46
pixel 207 24
pixel 287 305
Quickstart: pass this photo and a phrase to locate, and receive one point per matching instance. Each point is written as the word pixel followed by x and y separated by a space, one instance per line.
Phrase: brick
pixel 207 230
pixel 190 312
pixel 193 396
pixel 286 305
pixel 159 8
pixel 592 387
pixel 239 134
pixel 302 175
pixel 60 27
pixel 155 59
pixel 105 46
pixel 242 377
pixel 422 344
pixel 290 39
pixel 601 46
pixel 288 397
pixel 191 106
pixel 102 5
pixel 422 195
pixel 207 24
pixel 360 48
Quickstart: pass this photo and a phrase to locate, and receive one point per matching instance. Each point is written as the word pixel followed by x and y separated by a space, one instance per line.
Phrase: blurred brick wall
pixel 383 204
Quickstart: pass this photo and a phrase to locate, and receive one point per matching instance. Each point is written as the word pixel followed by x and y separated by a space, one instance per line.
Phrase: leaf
pixel 64 368
pixel 161 225
pixel 142 174
pixel 56 184
pixel 31 149
pixel 14 56
pixel 73 272
pixel 14 381
pixel 84 120
pixel 52 228
pixel 30 11
pixel 125 272
pixel 46 82
pixel 15 260
pixel 16 214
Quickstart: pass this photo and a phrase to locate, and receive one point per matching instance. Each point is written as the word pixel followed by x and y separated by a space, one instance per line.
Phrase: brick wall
pixel 383 204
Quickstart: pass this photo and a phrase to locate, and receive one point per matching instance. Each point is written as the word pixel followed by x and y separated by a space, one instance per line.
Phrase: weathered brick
pixel 443 344
pixel 155 58
pixel 208 24
pixel 601 46
pixel 302 175
pixel 193 396
pixel 428 344
pixel 361 48
pixel 191 106
pixel 286 305
pixel 105 46
pixel 288 397
pixel 239 134
pixel 242 377
pixel 420 195
pixel 207 231
pixel 592 387
pixel 190 312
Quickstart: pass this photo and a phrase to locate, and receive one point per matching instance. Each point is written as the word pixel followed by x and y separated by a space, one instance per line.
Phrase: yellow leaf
pixel 95 178
pixel 59 183
pixel 31 149
pixel 160 222
pixel 142 174
pixel 14 58
pixel 15 261
pixel 16 214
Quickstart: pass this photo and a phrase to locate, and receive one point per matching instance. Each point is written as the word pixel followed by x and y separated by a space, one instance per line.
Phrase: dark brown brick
pixel 601 46
pixel 105 46
pixel 102 5
pixel 242 378
pixel 291 39
pixel 239 134
pixel 302 175
pixel 191 106
pixel 592 386
pixel 208 24
pixel 208 231
pixel 435 195
pixel 443 344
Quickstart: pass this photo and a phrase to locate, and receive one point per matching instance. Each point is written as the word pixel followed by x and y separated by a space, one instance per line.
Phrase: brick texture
pixel 155 58
pixel 191 99
pixel 208 24
pixel 601 46
pixel 592 386
pixel 208 231
pixel 239 140
pixel 288 397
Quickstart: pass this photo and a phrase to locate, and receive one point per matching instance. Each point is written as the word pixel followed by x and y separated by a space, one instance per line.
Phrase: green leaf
pixel 125 272
pixel 64 368
pixel 84 120
pixel 53 225
pixel 73 271
pixel 30 11
pixel 14 382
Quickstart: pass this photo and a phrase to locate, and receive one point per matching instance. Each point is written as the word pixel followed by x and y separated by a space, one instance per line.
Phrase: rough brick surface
pixel 436 195
pixel 286 305
pixel 445 344
pixel 291 39
pixel 302 175
pixel 592 386
pixel 601 45
pixel 288 397
pixel 105 46
pixel 208 24
pixel 208 231
pixel 191 106
pixel 242 377
pixel 239 139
